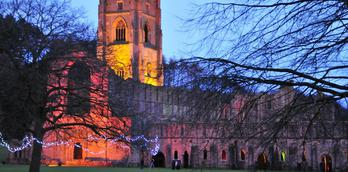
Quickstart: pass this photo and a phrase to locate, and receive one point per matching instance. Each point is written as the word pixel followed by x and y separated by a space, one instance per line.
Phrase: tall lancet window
pixel 79 89
pixel 146 33
pixel 121 31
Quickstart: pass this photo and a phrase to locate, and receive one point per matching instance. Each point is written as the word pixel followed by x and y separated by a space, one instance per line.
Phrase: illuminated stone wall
pixel 95 150
pixel 167 113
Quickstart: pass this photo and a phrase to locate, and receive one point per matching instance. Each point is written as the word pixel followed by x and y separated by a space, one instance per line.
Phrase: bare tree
pixel 281 63
pixel 293 43
pixel 49 56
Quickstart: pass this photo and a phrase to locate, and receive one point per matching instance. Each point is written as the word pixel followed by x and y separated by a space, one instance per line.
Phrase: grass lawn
pixel 12 168
pixel 3 154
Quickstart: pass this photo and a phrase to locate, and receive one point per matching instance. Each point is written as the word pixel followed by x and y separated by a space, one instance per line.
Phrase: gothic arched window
pixel 205 154
pixel 223 155
pixel 79 89
pixel 78 151
pixel 283 156
pixel 242 155
pixel 121 31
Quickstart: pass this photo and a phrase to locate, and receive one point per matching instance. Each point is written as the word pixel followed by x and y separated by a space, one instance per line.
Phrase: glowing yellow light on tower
pixel 119 60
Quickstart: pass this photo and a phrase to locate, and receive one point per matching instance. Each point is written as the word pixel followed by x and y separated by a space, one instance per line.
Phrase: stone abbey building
pixel 130 41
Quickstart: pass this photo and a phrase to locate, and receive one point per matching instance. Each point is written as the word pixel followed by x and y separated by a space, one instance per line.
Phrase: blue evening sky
pixel 174 39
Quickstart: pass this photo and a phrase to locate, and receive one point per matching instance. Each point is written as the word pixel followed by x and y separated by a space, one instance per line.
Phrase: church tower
pixel 130 39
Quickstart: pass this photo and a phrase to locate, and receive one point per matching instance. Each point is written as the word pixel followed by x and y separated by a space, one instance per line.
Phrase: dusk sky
pixel 174 40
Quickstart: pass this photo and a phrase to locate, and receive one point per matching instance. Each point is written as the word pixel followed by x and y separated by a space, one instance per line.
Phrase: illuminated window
pixel 119 5
pixel 283 156
pixel 148 69
pixel 78 151
pixel 223 155
pixel 120 73
pixel 146 33
pixel 304 157
pixel 205 154
pixel 121 31
pixel 242 154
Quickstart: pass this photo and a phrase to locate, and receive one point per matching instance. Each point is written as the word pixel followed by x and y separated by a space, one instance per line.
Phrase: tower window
pixel 146 33
pixel 121 31
pixel 120 5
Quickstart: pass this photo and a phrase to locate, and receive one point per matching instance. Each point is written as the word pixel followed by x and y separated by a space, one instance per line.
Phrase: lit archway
pixel 262 161
pixel 242 154
pixel 283 156
pixel 326 163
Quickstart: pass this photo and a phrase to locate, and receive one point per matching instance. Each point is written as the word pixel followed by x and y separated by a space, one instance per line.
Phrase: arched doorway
pixel 262 161
pixel 175 155
pixel 186 159
pixel 77 151
pixel 159 160
pixel 326 163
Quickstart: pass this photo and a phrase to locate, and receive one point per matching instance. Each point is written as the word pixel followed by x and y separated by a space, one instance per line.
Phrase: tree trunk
pixel 37 149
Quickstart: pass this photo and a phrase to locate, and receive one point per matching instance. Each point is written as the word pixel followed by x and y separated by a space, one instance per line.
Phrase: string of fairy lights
pixel 151 145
